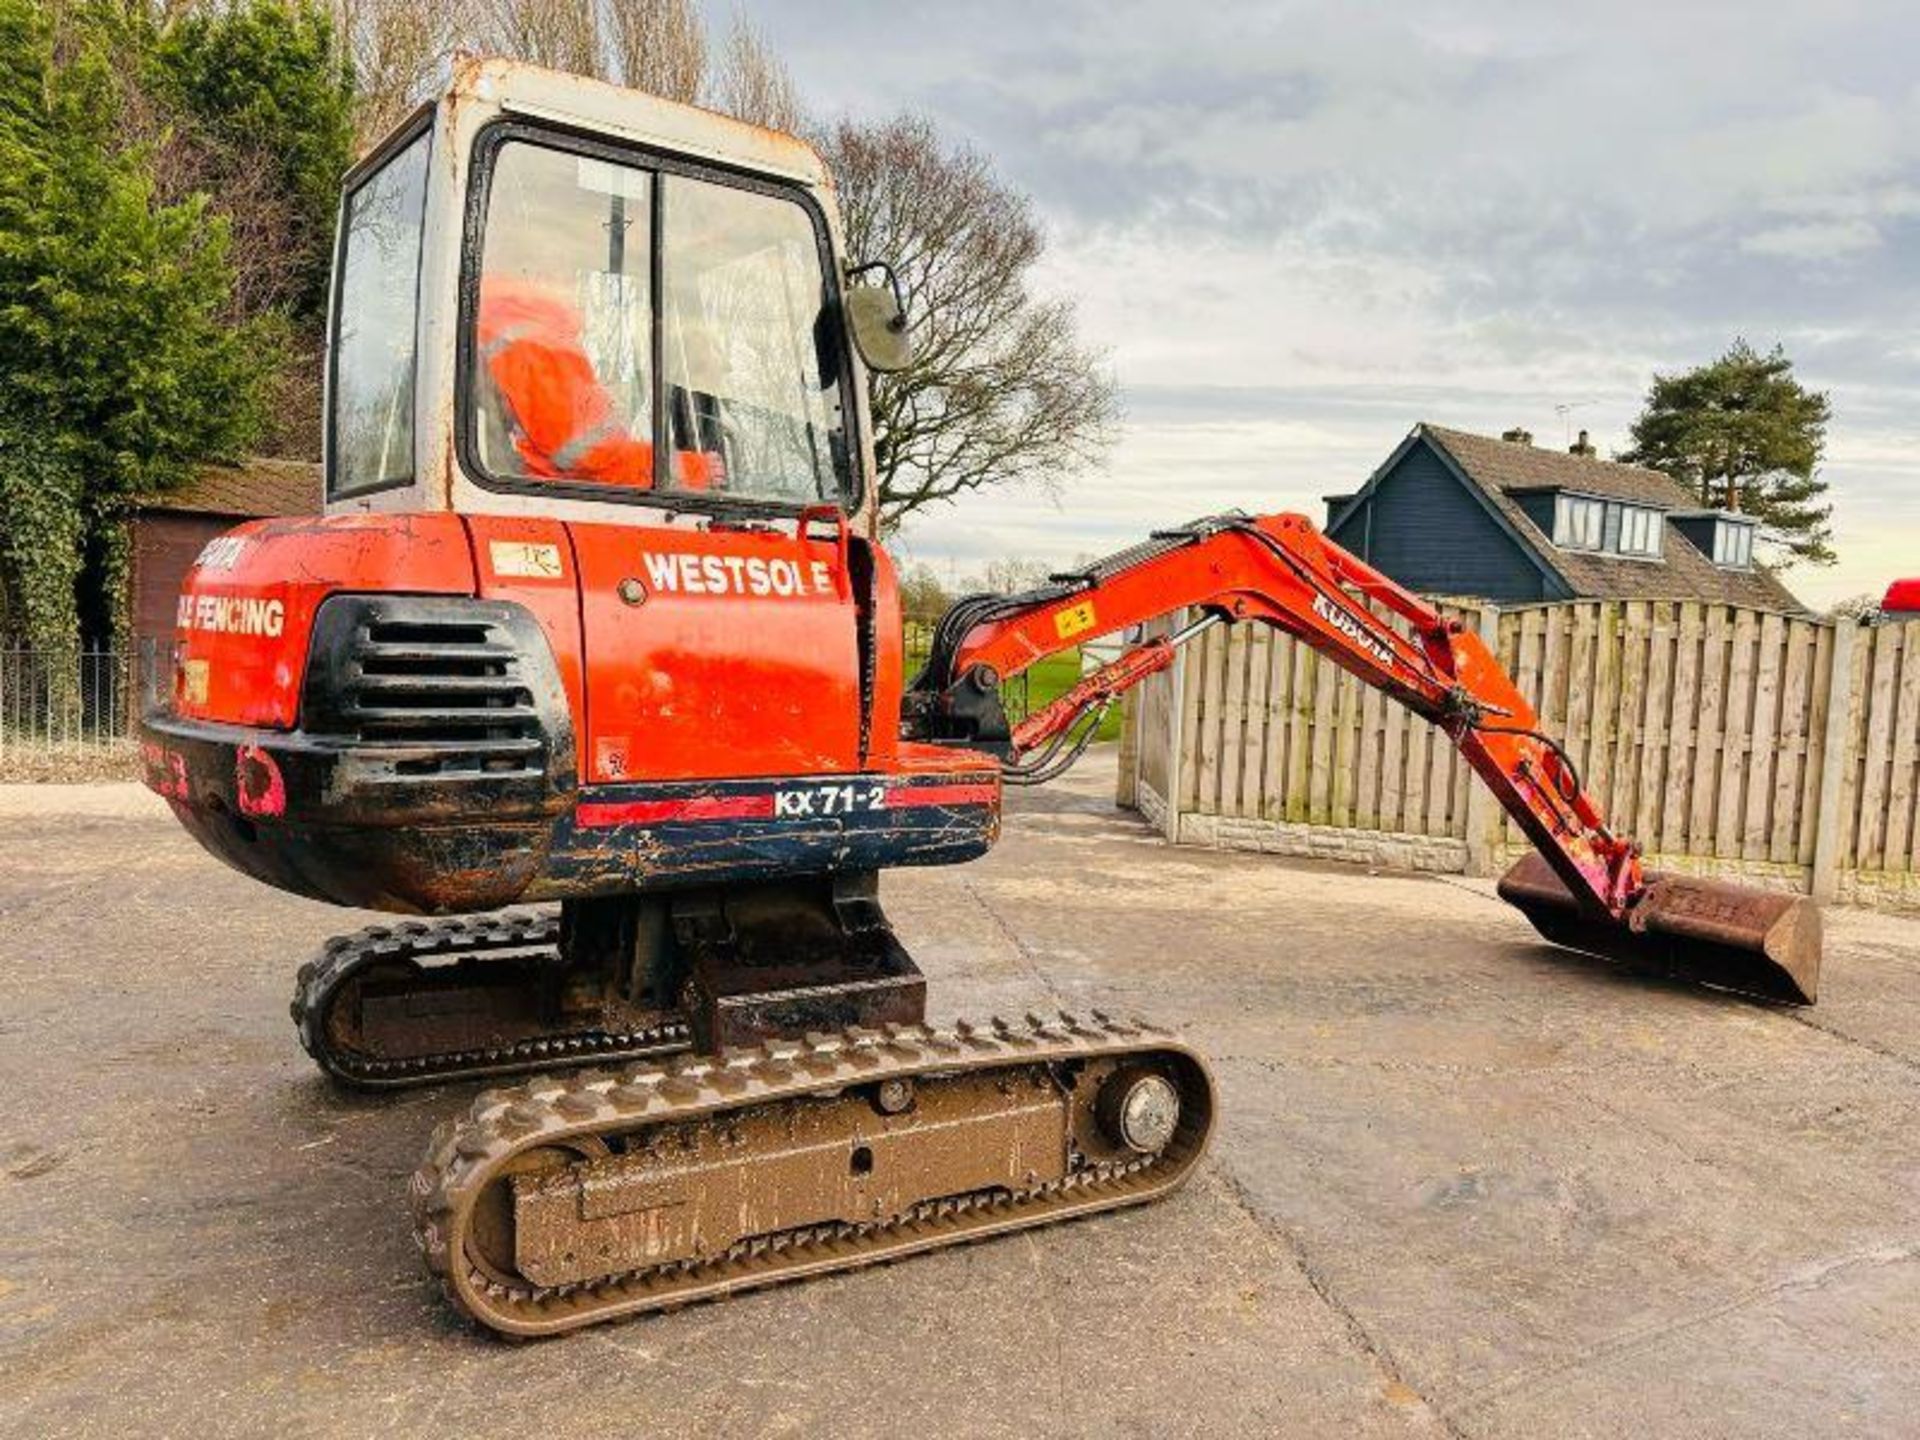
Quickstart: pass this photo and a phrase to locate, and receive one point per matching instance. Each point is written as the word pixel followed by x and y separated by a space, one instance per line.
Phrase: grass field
pixel 1054 677
pixel 1040 684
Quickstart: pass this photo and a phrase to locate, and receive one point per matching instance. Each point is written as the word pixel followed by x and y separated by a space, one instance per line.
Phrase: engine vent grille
pixel 457 689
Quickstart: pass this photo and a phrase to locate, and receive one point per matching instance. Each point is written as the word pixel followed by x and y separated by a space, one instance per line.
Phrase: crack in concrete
pixel 1873 1047
pixel 1454 882
pixel 1809 1277
pixel 1376 1351
pixel 1030 962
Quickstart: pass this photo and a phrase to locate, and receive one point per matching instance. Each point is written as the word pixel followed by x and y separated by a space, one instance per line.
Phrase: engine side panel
pixel 715 655
pixel 247 606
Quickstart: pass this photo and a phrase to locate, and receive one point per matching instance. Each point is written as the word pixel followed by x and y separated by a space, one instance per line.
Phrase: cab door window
pixel 752 383
pixel 644 330
pixel 562 375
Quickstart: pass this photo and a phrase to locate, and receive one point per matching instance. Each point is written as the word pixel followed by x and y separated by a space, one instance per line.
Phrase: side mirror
pixel 877 319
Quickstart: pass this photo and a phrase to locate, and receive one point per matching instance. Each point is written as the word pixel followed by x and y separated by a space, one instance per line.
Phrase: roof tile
pixel 256 489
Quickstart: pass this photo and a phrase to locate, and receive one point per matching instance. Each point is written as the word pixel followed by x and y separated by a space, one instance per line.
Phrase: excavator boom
pixel 1583 888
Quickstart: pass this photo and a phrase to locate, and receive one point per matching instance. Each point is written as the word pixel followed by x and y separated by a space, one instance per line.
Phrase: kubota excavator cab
pixel 594 606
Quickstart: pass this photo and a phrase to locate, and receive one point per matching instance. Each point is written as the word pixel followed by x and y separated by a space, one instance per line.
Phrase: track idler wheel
pixel 1138 1108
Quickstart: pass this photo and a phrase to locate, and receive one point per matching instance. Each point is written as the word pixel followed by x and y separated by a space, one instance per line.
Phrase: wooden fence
pixel 1726 740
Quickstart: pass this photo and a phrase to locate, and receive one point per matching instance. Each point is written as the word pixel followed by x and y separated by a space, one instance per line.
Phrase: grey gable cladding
pixel 1422 521
pixel 1494 472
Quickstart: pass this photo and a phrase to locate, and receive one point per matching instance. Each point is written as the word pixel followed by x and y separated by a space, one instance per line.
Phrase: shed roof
pixel 253 490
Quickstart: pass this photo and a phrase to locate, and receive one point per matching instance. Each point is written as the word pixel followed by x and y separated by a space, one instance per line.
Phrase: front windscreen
pixel 376 298
pixel 580 369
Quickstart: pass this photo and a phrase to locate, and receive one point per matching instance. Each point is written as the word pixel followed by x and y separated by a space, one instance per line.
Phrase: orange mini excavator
pixel 597 615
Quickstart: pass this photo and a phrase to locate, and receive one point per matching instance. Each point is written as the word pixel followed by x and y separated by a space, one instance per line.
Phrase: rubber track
pixel 322 979
pixel 467 1152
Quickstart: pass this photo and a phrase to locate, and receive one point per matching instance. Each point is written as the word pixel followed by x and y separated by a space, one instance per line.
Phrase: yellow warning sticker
pixel 1076 620
pixel 194 675
pixel 526 560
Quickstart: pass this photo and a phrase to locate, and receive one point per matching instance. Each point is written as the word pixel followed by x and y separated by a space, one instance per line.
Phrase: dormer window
pixel 1733 545
pixel 1579 523
pixel 1725 539
pixel 1640 530
pixel 1582 522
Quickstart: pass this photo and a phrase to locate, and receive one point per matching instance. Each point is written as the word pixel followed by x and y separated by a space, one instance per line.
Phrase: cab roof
pixel 538 93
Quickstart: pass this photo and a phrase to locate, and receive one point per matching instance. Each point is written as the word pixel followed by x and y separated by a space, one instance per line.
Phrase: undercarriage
pixel 765 1099
pixel 577 1198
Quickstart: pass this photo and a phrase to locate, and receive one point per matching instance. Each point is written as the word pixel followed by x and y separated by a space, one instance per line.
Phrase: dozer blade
pixel 578 1198
pixel 1731 937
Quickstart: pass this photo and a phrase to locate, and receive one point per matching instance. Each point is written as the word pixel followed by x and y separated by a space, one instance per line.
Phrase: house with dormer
pixel 1452 513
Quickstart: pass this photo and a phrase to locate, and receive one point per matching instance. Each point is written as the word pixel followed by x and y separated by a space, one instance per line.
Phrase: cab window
pixel 749 375
pixel 723 383
pixel 377 296
pixel 562 378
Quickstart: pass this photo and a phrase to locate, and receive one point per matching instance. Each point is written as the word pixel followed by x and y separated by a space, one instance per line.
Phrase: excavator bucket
pixel 1708 932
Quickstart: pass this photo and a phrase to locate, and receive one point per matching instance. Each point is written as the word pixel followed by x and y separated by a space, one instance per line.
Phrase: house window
pixel 1733 546
pixel 1639 530
pixel 1579 523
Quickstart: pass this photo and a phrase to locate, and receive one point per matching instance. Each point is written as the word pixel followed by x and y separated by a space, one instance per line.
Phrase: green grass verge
pixel 1056 675
pixel 1042 683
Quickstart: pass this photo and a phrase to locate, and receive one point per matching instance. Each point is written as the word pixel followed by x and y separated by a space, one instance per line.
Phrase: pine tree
pixel 1744 435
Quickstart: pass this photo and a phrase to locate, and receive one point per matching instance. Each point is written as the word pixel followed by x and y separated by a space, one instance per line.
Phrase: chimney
pixel 1517 436
pixel 1582 447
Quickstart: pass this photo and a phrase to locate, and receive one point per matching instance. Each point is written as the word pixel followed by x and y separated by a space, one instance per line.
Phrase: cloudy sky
pixel 1299 228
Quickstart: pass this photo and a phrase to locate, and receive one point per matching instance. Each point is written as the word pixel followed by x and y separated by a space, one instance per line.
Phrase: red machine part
pixel 1903 598
pixel 246 609
pixel 1279 569
pixel 716 654
pixel 685 654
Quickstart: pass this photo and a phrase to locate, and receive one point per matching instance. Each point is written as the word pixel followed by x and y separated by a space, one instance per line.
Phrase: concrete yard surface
pixel 1463 1184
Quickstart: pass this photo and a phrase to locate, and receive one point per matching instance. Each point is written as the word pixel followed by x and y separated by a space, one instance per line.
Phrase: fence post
pixel 1828 842
pixel 1127 785
pixel 1483 811
pixel 1176 727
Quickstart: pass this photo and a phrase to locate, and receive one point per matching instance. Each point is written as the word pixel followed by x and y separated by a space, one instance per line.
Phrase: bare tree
pixel 751 84
pixel 659 46
pixel 560 34
pixel 399 50
pixel 924 598
pixel 1011 574
pixel 242 184
pixel 1001 389
pixel 1858 608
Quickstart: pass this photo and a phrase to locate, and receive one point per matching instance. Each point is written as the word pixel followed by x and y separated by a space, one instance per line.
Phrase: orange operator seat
pixel 561 418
